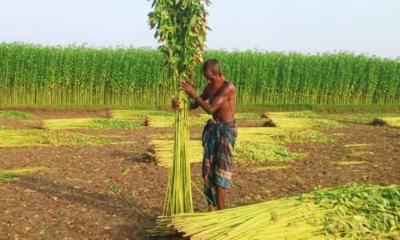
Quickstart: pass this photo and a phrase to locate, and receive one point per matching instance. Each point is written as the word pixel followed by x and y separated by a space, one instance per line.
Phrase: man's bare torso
pixel 227 109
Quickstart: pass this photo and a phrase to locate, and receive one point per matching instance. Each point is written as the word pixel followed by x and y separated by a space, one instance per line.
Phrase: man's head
pixel 212 71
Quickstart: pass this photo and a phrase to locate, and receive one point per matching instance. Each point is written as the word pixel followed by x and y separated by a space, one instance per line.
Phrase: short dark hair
pixel 212 64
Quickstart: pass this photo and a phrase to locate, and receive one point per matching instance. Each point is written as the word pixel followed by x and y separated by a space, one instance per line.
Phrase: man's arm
pixel 218 101
pixel 203 96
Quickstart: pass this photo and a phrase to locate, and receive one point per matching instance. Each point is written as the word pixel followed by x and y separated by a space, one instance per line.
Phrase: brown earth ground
pixel 114 191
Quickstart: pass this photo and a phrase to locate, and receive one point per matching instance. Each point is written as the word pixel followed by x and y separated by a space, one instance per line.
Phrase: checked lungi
pixel 218 140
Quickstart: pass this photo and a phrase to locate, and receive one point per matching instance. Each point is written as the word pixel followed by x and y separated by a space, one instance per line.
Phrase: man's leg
pixel 220 197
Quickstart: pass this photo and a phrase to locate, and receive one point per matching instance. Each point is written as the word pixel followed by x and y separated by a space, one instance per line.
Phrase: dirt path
pixel 78 197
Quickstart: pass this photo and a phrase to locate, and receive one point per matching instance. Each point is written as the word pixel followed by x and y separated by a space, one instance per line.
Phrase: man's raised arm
pixel 203 96
pixel 217 103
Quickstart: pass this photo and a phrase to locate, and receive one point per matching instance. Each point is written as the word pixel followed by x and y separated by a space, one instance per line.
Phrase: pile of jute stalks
pixel 353 212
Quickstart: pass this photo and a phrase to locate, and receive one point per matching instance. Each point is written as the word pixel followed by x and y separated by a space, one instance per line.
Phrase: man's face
pixel 210 76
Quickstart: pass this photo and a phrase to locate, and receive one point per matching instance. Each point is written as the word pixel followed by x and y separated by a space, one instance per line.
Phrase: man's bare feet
pixel 211 208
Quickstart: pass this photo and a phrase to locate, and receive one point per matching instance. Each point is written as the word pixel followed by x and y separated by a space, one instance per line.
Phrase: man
pixel 219 134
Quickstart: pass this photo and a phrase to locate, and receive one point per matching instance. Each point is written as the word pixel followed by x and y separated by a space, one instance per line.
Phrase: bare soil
pixel 114 191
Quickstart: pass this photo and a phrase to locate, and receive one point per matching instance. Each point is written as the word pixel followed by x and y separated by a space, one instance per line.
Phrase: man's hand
pixel 188 88
pixel 175 103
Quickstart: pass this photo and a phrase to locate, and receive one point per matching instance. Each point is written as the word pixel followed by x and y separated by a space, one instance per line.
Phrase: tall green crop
pixel 78 75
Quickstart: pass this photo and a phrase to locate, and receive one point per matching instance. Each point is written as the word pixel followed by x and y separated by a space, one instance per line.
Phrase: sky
pixel 307 26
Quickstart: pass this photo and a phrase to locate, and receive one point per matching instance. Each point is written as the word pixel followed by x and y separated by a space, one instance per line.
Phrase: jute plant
pixel 181 28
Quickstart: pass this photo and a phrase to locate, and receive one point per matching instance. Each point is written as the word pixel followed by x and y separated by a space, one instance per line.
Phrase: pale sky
pixel 306 26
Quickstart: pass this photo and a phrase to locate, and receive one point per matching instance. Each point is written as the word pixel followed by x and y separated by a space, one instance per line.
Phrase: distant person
pixel 219 134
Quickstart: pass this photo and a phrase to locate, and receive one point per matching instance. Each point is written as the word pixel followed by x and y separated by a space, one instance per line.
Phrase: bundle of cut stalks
pixel 181 27
pixel 356 212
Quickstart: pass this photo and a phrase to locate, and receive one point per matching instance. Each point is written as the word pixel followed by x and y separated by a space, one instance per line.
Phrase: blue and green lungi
pixel 218 140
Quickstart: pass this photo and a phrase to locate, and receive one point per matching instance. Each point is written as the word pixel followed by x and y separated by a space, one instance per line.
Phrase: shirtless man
pixel 219 134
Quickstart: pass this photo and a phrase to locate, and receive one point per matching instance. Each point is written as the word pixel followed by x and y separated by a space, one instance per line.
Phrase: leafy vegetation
pixel 77 75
